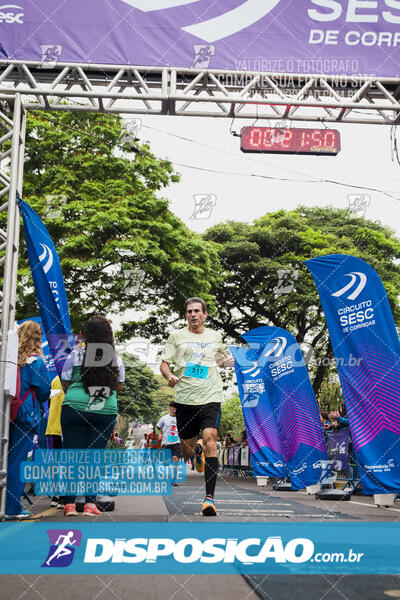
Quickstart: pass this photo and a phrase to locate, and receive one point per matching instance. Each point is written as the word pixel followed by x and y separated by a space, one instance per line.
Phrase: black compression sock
pixel 210 474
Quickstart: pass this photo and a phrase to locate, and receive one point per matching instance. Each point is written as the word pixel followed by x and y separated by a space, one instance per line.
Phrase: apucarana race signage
pixel 338 37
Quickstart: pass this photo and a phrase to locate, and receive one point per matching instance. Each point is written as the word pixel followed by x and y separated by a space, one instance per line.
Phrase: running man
pixel 170 439
pixel 195 351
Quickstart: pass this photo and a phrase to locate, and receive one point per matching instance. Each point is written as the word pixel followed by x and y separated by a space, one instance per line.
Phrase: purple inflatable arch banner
pixel 366 347
pixel 333 37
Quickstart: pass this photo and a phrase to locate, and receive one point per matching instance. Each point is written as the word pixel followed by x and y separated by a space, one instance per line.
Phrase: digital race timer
pixel 278 140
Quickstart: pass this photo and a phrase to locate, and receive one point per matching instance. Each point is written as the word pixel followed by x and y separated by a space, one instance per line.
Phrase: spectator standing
pixel 326 423
pixel 229 441
pixel 154 440
pixel 35 385
pixel 89 408
pixel 143 442
pixel 53 429
pixel 170 437
pixel 340 416
pixel 243 439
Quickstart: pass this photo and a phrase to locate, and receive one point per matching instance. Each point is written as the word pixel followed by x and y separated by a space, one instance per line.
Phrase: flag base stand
pixel 261 481
pixel 282 486
pixel 384 500
pixel 313 489
pixel 333 494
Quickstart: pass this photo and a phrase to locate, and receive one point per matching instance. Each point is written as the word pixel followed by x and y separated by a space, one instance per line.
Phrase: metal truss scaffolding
pixel 128 89
pixel 12 139
pixel 202 93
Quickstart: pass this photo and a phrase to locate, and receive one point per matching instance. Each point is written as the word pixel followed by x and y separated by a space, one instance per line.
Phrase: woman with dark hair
pixel 91 377
pixel 229 441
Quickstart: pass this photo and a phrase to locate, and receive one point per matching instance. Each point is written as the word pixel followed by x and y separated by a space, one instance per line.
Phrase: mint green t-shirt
pixel 77 397
pixel 193 357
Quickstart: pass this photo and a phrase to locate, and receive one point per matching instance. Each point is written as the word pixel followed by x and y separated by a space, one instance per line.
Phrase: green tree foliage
pixel 119 244
pixel 248 294
pixel 165 393
pixel 142 396
pixel 231 417
pixel 330 395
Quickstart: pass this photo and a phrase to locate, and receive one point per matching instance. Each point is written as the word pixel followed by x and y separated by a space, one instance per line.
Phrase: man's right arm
pixel 167 373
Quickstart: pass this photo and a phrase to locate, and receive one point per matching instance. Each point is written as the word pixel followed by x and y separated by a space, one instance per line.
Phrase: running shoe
pixel 90 510
pixel 54 501
pixel 199 457
pixel 70 510
pixel 208 509
pixel 24 514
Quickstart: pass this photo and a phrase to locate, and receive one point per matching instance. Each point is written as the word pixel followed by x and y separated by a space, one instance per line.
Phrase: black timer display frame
pixel 282 140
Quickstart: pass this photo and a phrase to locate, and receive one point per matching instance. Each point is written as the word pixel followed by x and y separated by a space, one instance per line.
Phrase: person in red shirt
pixel 154 440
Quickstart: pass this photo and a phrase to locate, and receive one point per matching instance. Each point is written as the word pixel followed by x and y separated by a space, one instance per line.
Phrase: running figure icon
pixel 62 543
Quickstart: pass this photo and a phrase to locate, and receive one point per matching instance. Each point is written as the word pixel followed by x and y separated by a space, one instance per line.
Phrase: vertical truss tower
pixel 12 141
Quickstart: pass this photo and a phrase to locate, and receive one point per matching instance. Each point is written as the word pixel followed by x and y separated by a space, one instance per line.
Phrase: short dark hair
pixel 193 300
pixel 173 404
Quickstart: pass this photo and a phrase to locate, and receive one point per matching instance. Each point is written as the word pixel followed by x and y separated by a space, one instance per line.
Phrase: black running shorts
pixel 193 419
pixel 175 449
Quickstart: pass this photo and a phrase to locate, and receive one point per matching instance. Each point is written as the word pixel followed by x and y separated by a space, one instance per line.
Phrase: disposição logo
pixel 62 547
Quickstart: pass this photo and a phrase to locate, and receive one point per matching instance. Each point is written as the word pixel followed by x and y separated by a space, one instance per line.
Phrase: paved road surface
pixel 237 501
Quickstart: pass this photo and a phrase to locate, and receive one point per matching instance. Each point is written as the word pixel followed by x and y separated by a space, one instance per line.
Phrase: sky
pixel 365 160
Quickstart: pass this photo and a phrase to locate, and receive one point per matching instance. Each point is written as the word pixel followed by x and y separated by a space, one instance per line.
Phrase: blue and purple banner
pixel 49 285
pixel 356 37
pixel 293 402
pixel 366 347
pixel 260 421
